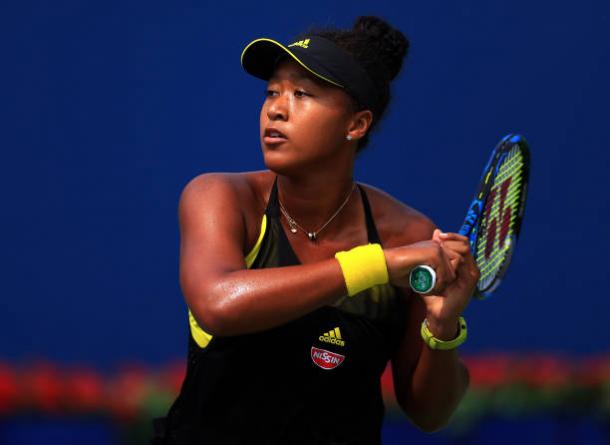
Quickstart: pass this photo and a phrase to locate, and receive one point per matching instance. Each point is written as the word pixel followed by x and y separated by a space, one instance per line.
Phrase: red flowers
pixel 9 393
pixel 498 382
pixel 46 388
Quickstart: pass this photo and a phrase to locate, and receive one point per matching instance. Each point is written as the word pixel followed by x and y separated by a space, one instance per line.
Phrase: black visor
pixel 320 57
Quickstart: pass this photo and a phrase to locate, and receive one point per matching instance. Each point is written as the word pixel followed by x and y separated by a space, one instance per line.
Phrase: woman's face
pixel 311 116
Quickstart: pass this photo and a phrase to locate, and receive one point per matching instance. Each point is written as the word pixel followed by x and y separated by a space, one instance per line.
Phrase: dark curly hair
pixel 379 48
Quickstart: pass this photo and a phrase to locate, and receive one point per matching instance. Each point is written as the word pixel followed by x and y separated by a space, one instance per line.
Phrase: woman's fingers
pixel 457 246
pixel 447 236
pixel 455 260
pixel 452 241
pixel 449 261
pixel 446 256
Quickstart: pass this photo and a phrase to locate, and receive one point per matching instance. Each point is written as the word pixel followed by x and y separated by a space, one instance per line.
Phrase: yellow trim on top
pixel 254 252
pixel 291 54
pixel 201 337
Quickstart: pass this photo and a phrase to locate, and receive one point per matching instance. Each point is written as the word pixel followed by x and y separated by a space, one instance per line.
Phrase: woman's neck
pixel 311 200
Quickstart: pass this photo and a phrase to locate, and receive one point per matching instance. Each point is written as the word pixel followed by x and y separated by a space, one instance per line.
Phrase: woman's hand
pixel 401 260
pixel 445 307
pixel 456 277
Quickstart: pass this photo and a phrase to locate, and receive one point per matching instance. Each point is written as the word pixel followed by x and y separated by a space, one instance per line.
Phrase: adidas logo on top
pixel 301 43
pixel 333 337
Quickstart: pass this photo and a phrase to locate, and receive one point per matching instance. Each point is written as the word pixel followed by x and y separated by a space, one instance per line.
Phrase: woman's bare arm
pixel 228 299
pixel 428 384
pixel 224 296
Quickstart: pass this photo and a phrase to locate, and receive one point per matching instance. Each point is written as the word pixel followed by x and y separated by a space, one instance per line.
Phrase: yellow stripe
pixel 201 337
pixel 331 334
pixel 292 55
pixel 338 332
pixel 254 252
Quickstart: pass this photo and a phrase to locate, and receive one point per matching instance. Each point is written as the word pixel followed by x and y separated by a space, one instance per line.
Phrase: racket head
pixel 494 218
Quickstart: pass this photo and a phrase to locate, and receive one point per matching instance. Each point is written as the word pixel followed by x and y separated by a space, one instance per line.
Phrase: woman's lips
pixel 271 140
pixel 273 136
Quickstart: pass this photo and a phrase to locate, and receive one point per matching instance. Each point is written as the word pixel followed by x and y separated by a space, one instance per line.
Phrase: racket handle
pixel 422 279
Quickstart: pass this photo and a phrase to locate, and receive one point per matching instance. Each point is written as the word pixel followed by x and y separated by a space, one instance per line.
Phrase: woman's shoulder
pixel 241 197
pixel 246 189
pixel 397 223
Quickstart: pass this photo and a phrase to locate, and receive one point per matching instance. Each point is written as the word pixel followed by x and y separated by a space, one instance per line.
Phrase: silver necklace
pixel 313 235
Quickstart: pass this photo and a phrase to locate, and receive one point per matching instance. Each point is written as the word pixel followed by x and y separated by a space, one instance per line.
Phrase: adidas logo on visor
pixel 333 337
pixel 301 43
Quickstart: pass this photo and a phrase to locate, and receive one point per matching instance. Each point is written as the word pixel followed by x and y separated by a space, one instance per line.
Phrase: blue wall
pixel 109 108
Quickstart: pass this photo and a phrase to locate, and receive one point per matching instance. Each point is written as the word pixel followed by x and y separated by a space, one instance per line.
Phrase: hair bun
pixel 390 44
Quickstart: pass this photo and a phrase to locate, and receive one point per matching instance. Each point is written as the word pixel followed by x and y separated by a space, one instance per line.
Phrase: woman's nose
pixel 278 108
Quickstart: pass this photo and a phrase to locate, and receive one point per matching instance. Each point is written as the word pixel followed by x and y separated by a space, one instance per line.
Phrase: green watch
pixel 443 345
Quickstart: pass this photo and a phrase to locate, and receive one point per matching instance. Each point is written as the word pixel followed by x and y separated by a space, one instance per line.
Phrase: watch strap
pixel 444 345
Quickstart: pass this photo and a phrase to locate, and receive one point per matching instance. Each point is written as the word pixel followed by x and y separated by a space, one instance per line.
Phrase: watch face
pixel 422 279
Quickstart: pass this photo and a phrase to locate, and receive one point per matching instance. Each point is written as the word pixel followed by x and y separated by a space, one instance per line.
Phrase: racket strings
pixel 492 246
pixel 495 237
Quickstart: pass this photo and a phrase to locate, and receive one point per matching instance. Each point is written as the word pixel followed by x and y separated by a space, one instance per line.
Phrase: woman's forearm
pixel 249 300
pixel 246 301
pixel 439 382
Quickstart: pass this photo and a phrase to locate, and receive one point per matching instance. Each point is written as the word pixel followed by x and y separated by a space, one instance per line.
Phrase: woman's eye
pixel 270 93
pixel 300 93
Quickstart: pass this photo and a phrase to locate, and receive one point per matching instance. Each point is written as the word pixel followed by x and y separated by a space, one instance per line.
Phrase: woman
pixel 297 278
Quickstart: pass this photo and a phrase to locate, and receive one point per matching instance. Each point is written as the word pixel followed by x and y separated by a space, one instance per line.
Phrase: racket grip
pixel 422 279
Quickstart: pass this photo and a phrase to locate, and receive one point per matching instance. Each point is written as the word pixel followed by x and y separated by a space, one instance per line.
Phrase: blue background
pixel 109 108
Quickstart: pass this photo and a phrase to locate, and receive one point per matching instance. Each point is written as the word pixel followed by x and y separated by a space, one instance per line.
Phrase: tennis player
pixel 297 277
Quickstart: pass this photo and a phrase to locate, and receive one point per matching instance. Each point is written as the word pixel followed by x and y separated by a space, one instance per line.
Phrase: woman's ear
pixel 359 124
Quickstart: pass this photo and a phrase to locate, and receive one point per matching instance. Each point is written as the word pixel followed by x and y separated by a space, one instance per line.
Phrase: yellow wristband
pixel 363 267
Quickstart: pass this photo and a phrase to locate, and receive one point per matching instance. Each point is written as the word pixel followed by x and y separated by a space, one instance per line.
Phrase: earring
pixel 348 137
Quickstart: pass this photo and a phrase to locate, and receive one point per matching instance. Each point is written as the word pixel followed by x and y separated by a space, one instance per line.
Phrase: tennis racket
pixel 494 218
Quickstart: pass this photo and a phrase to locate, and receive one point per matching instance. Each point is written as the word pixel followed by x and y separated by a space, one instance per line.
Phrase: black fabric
pixel 320 56
pixel 264 388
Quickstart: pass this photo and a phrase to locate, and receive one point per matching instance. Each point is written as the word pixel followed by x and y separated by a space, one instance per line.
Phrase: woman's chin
pixel 281 163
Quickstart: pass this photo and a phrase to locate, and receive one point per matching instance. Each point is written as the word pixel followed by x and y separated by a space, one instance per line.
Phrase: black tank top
pixel 314 380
